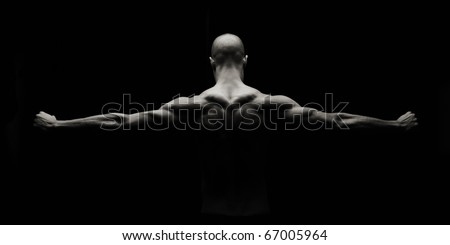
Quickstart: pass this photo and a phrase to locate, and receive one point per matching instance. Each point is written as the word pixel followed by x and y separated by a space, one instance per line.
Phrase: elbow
pixel 114 121
pixel 343 121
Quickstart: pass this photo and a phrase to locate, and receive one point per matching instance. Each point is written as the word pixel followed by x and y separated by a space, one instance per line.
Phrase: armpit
pixel 183 103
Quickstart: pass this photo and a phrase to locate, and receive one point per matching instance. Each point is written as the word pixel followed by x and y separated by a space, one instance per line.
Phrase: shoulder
pixel 278 100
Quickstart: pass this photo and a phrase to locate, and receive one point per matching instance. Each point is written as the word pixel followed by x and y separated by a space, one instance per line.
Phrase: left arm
pixel 110 121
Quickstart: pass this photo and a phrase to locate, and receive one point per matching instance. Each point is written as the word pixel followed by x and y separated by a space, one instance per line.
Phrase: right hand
pixel 44 121
pixel 408 121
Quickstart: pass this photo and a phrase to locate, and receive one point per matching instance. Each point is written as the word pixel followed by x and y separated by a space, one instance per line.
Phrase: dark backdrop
pixel 71 63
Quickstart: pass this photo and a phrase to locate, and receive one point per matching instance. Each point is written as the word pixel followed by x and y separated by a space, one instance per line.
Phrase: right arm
pixel 342 120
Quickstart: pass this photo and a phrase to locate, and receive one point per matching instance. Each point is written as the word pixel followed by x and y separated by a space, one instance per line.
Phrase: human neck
pixel 229 75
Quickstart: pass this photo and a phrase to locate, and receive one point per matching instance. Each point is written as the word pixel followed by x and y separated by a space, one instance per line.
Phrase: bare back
pixel 228 108
pixel 233 159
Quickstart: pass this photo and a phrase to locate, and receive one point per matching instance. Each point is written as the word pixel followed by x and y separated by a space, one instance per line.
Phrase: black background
pixel 71 62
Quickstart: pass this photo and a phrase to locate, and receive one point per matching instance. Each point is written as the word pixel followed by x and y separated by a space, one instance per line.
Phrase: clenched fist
pixel 44 121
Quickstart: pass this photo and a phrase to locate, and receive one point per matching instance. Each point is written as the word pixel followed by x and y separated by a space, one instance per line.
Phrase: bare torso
pixel 233 179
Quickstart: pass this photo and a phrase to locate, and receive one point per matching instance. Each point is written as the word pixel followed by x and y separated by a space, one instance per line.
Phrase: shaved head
pixel 227 46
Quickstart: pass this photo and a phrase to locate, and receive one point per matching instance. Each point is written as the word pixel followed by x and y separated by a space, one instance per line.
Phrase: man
pixel 233 178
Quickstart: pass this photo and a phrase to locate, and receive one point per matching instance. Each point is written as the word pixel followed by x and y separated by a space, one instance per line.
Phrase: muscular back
pixel 227 108
pixel 233 159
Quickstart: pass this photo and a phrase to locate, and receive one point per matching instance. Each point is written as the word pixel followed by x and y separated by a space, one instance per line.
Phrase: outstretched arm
pixel 352 121
pixel 112 121
pixel 343 120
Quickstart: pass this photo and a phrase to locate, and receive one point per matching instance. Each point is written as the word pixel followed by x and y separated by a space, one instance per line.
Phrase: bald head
pixel 227 47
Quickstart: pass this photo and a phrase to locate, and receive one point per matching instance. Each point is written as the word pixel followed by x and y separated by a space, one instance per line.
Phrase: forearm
pixel 106 121
pixel 113 121
pixel 345 120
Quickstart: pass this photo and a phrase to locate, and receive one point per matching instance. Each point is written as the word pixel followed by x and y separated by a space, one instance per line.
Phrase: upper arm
pixel 299 115
pixel 289 107
pixel 181 103
pixel 162 117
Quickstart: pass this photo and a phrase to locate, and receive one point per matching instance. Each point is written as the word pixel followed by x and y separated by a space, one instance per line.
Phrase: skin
pixel 228 60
